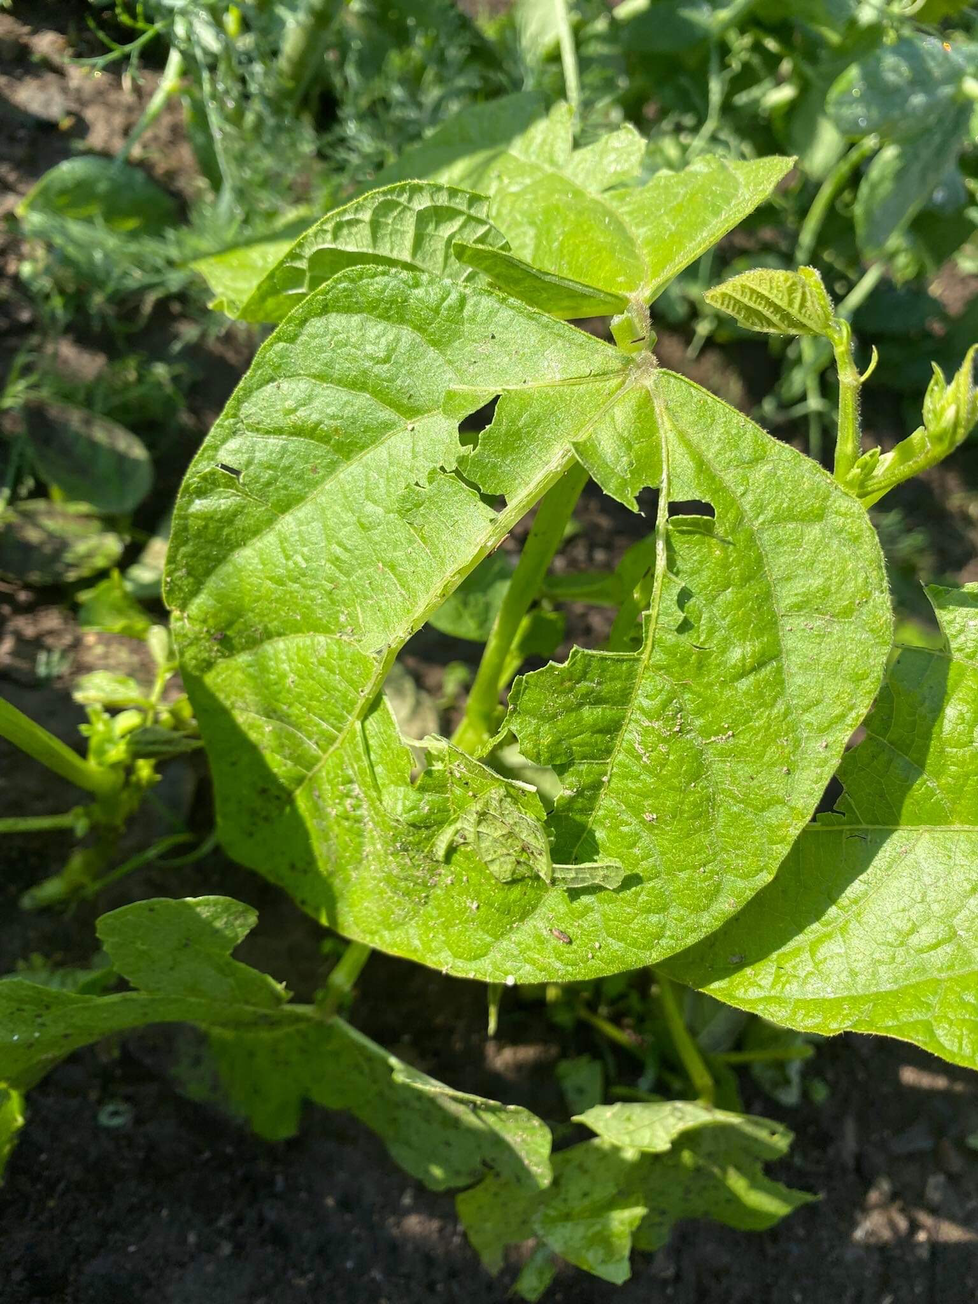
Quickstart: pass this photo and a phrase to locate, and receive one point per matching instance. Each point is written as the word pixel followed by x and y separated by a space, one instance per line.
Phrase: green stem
pixel 813 396
pixel 147 857
pixel 630 1042
pixel 848 444
pixel 33 739
pixel 686 1048
pixel 304 47
pixel 568 57
pixel 38 823
pixel 342 978
pixel 168 84
pixel 829 189
pixel 861 291
pixel 555 510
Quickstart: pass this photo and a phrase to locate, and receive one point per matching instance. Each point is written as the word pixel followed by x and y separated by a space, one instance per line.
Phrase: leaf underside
pixel 333 509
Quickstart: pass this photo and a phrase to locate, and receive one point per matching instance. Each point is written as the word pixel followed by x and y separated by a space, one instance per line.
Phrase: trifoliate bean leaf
pixel 43 543
pixel 334 507
pixel 544 194
pixel 90 458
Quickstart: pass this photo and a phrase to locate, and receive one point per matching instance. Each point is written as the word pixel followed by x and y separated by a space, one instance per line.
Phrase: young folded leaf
pixel 871 923
pixel 652 1165
pixel 950 413
pixel 270 1055
pixel 776 302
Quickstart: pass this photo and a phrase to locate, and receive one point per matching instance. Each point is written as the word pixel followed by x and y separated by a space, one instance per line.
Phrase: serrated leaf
pixel 871 924
pixel 902 177
pixel 543 193
pixel 271 1056
pixel 90 458
pixel 95 189
pixel 653 1165
pixel 44 543
pixel 411 224
pixel 341 432
pixel 776 302
pixel 898 90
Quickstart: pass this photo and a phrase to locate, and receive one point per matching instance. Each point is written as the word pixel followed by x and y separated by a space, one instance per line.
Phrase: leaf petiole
pixel 43 746
pixel 546 534
pixel 686 1048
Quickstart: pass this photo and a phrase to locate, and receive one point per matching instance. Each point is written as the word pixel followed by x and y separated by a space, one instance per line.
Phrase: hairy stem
pixel 848 445
pixel 686 1048
pixel 342 978
pixel 554 513
pixel 35 740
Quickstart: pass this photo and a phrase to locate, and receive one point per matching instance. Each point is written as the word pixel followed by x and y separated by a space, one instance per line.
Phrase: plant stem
pixel 168 84
pixel 848 445
pixel 304 46
pixel 632 1043
pixel 829 189
pixel 861 291
pixel 686 1048
pixel 568 57
pixel 342 978
pixel 555 510
pixel 38 823
pixel 33 739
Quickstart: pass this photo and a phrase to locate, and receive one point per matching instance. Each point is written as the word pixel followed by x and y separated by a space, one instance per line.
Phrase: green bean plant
pixel 646 805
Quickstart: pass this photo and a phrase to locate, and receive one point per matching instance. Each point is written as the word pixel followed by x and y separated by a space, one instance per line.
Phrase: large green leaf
pixel 411 224
pixel 331 511
pixel 43 542
pixel 95 189
pixel 652 1165
pixel 270 1055
pixel 903 176
pixel 898 90
pixel 544 194
pixel 719 702
pixel 89 457
pixel 872 921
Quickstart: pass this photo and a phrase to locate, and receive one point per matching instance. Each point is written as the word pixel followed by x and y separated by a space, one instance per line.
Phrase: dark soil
pixel 179 1205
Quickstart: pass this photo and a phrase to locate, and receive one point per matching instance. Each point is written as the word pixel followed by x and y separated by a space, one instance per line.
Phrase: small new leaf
pixel 950 413
pixel 776 302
